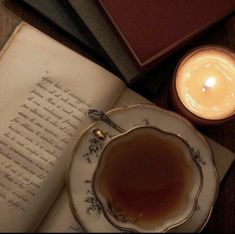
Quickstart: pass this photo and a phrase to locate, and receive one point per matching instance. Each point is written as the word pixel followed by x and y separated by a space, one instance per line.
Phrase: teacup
pixel 147 180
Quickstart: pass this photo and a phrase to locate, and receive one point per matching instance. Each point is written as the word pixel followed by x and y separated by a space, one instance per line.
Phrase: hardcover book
pixel 150 29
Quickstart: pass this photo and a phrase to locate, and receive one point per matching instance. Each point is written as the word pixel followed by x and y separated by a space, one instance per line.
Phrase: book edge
pixel 11 38
pixel 128 76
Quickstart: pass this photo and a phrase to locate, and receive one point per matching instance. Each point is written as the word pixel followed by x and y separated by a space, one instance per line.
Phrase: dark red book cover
pixel 152 28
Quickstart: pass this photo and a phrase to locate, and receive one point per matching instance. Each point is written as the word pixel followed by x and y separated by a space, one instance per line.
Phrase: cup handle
pixel 99 134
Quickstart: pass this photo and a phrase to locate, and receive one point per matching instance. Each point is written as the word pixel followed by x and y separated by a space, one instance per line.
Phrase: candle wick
pixel 205 88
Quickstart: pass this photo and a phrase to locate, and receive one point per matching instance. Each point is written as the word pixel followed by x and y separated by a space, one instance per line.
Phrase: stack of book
pixel 134 36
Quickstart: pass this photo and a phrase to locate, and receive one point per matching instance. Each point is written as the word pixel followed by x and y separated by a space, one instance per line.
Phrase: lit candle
pixel 204 85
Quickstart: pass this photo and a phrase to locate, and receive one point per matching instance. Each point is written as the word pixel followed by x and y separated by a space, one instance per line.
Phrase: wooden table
pixel 223 216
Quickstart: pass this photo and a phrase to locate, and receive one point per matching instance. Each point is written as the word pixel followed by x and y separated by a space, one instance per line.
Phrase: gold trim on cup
pixel 196 195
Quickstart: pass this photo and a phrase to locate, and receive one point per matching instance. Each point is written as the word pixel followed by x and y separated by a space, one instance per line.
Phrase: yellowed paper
pixel 45 92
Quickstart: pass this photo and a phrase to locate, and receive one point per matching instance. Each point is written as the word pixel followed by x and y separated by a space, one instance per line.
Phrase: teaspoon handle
pixel 100 115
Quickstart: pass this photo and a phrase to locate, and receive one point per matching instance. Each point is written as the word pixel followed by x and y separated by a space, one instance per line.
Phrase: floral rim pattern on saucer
pixel 85 207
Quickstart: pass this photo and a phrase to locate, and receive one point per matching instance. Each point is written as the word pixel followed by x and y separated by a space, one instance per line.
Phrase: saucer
pixel 85 207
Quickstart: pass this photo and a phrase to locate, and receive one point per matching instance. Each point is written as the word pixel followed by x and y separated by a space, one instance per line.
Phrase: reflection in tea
pixel 147 176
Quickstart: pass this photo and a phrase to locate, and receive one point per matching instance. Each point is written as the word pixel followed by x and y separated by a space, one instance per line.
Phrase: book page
pixel 46 90
pixel 60 217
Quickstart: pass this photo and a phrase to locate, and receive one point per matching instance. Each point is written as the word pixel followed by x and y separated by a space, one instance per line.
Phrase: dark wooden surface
pixel 223 217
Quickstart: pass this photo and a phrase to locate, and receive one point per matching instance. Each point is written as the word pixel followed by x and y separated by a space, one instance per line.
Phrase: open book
pixel 45 92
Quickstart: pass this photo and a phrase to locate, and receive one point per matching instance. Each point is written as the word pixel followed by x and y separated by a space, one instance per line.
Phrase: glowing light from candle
pixel 210 83
pixel 205 83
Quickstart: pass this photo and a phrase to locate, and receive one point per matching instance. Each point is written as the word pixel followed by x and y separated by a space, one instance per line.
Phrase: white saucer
pixel 86 209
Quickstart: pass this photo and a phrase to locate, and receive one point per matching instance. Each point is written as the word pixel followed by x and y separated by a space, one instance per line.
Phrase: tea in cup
pixel 147 180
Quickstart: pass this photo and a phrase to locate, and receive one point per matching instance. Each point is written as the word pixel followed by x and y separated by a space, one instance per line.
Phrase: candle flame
pixel 209 83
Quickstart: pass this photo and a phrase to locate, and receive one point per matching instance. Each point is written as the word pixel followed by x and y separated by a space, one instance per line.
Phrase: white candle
pixel 205 83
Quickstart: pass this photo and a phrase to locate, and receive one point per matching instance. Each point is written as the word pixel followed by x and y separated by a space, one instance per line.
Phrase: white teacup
pixel 147 180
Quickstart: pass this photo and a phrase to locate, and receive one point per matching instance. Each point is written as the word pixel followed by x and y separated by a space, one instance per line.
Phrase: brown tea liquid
pixel 147 177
